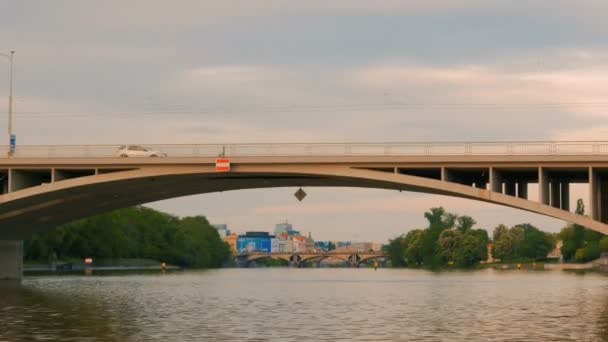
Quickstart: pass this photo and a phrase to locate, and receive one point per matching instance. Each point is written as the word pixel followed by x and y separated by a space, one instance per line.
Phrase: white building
pixel 280 245
pixel 222 230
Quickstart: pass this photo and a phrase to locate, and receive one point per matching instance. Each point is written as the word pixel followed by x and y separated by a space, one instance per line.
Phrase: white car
pixel 137 151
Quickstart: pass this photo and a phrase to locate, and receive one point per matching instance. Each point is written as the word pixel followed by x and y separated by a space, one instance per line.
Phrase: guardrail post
pixel 467 149
pixel 510 149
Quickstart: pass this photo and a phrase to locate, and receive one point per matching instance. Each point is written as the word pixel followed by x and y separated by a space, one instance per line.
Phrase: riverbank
pixel 102 264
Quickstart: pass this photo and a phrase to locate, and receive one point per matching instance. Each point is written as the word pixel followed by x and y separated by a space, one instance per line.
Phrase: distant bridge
pixel 45 186
pixel 353 259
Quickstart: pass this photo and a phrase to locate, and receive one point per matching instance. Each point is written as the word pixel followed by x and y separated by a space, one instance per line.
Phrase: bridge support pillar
pixel 11 260
pixel 543 186
pixel 598 190
pixel 495 180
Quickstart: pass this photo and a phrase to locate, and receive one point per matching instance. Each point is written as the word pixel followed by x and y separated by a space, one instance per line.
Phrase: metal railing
pixel 323 149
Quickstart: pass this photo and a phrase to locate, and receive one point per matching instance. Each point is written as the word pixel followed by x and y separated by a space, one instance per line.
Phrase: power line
pixel 185 110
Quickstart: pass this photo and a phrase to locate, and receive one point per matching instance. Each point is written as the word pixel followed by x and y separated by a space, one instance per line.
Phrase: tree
pixel 448 243
pixel 467 252
pixel 137 232
pixel 465 223
pixel 413 250
pixel 396 251
pixel 603 244
pixel 331 246
pixel 580 243
pixel 504 244
pixel 521 242
pixel 439 219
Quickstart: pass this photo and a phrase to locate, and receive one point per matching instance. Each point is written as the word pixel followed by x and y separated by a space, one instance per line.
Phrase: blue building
pixel 323 245
pixel 254 242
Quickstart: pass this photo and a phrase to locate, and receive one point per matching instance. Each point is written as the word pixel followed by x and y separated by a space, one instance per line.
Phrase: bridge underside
pixel 47 205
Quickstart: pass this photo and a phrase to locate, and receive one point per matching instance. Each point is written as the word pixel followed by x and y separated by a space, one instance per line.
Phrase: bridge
pixel 353 259
pixel 45 186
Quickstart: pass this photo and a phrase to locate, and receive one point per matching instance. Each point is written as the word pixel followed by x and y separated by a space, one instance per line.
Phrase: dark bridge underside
pixel 46 206
pixel 22 217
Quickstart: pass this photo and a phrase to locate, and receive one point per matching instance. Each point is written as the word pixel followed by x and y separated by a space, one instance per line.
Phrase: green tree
pixel 603 244
pixel 504 244
pixel 331 246
pixel 439 220
pixel 578 242
pixel 396 251
pixel 521 242
pixel 449 241
pixel 137 232
pixel 413 247
pixel 465 223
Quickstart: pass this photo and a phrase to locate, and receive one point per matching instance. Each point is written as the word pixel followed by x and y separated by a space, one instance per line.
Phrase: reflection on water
pixel 309 304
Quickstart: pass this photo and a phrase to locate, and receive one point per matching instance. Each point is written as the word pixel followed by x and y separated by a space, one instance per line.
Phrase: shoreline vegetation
pixel 450 241
pixel 130 236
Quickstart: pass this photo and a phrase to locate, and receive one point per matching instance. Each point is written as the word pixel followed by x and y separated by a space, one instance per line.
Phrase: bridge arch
pixel 254 258
pixel 371 257
pixel 41 207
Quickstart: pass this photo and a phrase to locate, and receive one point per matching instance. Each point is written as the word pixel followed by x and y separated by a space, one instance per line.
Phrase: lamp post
pixel 10 104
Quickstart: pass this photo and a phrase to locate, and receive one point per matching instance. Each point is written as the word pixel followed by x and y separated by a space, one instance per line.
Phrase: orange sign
pixel 222 165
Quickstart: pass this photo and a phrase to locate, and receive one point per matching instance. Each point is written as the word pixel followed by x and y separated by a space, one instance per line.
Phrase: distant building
pixel 322 245
pixel 254 242
pixel 282 244
pixel 222 230
pixel 231 241
pixel 299 244
pixel 365 246
pixel 310 243
pixel 285 228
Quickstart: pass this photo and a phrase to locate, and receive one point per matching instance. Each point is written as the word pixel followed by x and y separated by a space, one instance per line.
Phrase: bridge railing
pixel 323 149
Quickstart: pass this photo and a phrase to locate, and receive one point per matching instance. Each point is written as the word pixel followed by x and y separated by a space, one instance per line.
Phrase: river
pixel 283 304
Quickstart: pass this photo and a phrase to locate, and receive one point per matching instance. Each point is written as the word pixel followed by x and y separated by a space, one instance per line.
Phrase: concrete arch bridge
pixel 353 259
pixel 44 186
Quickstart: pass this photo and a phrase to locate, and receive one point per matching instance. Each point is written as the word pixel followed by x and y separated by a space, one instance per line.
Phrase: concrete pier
pixel 11 260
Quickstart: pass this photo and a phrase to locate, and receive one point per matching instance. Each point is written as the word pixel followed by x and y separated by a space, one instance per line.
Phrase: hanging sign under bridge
pixel 300 194
pixel 222 165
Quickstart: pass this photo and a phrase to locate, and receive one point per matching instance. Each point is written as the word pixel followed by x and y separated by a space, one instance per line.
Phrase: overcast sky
pixel 113 72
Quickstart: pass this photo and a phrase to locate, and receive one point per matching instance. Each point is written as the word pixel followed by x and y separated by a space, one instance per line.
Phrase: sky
pixel 156 72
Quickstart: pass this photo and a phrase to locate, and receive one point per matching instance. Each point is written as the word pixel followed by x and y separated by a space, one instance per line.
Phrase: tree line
pixel 581 244
pixel 137 232
pixel 450 239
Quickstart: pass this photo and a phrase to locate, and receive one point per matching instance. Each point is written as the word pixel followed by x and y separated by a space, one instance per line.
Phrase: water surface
pixel 309 305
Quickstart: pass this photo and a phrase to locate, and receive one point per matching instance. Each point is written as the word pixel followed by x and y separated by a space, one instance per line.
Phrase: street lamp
pixel 11 138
